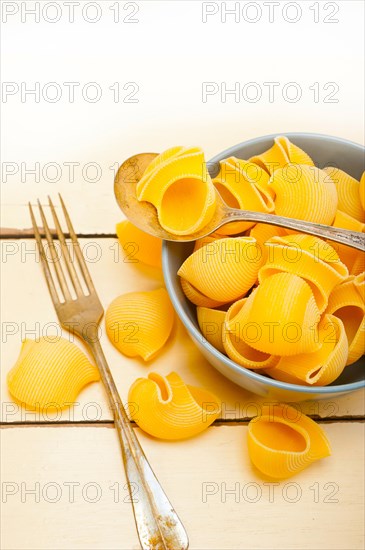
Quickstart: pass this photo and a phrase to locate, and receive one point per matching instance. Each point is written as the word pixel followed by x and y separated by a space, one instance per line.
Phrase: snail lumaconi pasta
pixel 280 154
pixel 279 317
pixel 50 373
pixel 207 240
pixel 354 259
pixel 320 367
pixel 362 190
pixel 348 191
pixel 211 323
pixel 178 184
pixel 308 257
pixel 347 303
pixel 283 441
pixel 139 246
pixel 239 190
pixel 167 408
pixel 238 350
pixel 262 232
pixel 138 324
pixel 197 297
pixel 304 192
pixel 223 270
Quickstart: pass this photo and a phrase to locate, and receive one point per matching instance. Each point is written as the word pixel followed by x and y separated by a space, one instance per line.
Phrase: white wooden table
pixel 63 485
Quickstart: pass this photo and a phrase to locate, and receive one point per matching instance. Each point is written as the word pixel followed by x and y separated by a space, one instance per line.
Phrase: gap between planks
pixel 9 233
pixel 218 423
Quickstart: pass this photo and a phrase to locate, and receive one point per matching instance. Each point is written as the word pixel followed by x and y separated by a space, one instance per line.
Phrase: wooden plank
pixel 222 501
pixel 27 311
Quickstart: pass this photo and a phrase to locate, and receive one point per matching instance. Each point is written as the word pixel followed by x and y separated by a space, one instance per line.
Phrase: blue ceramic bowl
pixel 324 150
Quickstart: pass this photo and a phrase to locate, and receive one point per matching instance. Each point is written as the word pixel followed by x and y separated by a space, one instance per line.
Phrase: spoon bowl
pixel 144 215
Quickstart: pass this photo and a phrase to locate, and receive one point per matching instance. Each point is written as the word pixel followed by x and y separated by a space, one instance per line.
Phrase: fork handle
pixel 158 525
pixel 354 239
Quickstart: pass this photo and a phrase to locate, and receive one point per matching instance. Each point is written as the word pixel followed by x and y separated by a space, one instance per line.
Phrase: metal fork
pixel 158 525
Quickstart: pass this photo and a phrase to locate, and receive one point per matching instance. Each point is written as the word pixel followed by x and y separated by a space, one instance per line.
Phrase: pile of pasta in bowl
pixel 281 303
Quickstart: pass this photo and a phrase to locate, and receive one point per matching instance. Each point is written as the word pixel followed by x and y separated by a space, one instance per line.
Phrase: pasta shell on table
pixel 50 373
pixel 304 192
pixel 238 190
pixel 347 303
pixel 309 257
pixel 180 188
pixel 138 324
pixel 238 350
pixel 223 270
pixel 138 245
pixel 211 325
pixel 348 191
pixel 167 408
pixel 280 317
pixel 320 367
pixel 362 190
pixel 282 441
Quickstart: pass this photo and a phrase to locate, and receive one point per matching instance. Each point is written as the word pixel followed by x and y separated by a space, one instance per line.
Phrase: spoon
pixel 144 215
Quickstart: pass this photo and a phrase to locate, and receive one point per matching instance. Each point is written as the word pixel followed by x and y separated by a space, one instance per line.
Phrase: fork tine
pixel 78 252
pixel 44 262
pixel 68 261
pixel 56 260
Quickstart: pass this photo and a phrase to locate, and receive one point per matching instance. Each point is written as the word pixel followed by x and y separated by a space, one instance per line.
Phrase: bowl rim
pixel 344 388
pixel 259 139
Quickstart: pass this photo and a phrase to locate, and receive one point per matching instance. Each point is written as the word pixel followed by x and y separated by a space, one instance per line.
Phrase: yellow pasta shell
pixel 308 257
pixel 237 349
pixel 352 258
pixel 362 190
pixel 238 190
pixel 280 317
pixel 273 158
pixel 304 192
pixel 167 408
pixel 295 154
pixel 163 157
pixel 179 186
pixel 281 153
pixel 198 298
pixel 223 270
pixel 321 367
pixel 139 323
pixel 138 245
pixel 50 373
pixel 347 303
pixel 283 441
pixel 256 174
pixel 347 222
pixel 211 325
pixel 208 239
pixel 262 232
pixel 348 191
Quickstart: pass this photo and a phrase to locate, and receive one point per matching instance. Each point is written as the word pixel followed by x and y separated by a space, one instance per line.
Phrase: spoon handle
pixel 354 239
